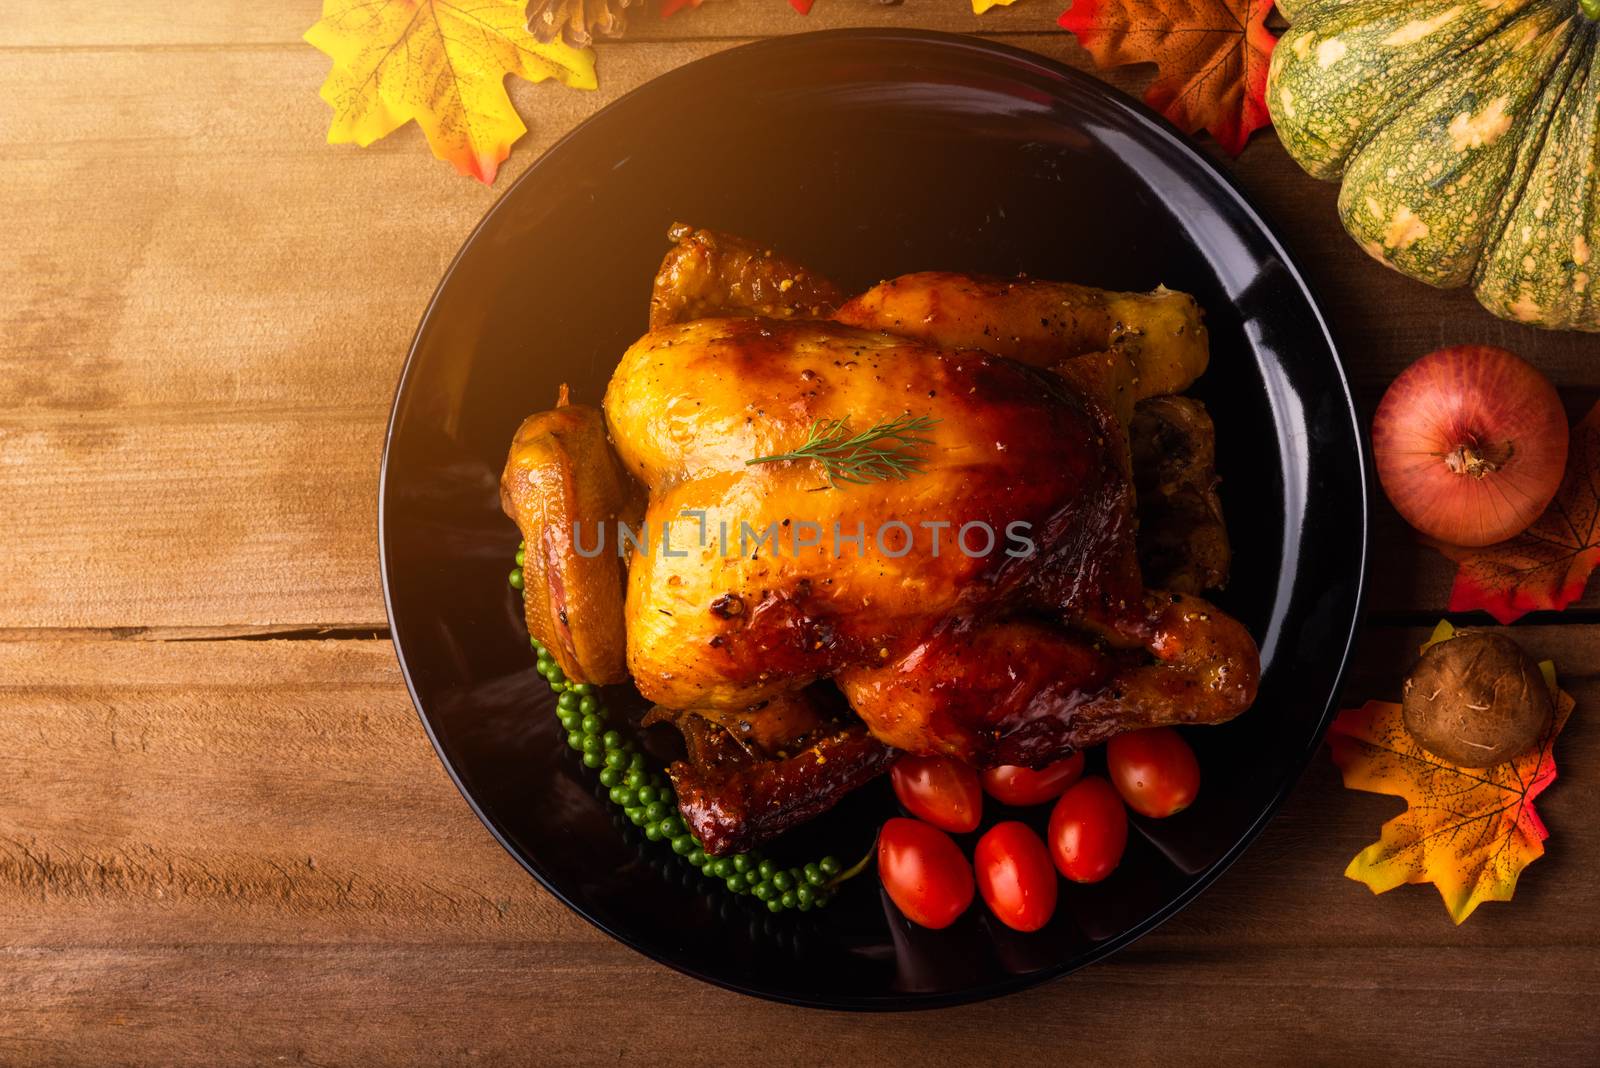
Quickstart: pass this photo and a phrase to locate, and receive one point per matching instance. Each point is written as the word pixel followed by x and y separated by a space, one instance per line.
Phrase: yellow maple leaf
pixel 1468 831
pixel 980 6
pixel 442 63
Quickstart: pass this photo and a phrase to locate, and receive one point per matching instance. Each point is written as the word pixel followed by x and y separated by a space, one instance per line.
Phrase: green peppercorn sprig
pixel 647 800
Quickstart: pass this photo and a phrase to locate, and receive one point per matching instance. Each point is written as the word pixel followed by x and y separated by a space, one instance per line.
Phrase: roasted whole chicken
pixel 805 600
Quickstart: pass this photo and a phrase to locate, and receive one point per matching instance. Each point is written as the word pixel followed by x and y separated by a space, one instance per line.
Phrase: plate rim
pixel 1156 126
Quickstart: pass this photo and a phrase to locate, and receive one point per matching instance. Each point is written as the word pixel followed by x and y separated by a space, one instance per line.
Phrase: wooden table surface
pixel 224 837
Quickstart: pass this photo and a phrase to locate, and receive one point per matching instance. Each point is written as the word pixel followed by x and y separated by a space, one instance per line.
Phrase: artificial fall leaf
pixel 1548 565
pixel 442 63
pixel 1468 831
pixel 1211 58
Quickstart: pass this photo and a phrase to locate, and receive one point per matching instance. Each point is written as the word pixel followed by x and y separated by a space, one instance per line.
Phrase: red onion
pixel 1471 444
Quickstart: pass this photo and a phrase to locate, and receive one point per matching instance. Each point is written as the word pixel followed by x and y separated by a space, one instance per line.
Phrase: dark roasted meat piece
pixel 1183 541
pixel 734 800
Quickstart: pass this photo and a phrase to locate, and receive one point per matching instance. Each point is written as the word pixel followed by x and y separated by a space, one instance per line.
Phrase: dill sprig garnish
pixel 884 451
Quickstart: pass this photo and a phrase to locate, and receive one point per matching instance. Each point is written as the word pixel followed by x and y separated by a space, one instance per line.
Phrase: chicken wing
pixel 708 274
pixel 562 481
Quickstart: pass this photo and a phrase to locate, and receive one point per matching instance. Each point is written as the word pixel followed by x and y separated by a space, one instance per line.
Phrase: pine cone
pixel 577 22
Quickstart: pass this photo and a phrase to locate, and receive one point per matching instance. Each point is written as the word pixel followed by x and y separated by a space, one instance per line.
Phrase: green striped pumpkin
pixel 1467 134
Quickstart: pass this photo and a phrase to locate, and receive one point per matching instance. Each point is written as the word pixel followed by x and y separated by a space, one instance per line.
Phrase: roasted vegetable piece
pixel 940 791
pixel 924 872
pixel 1088 831
pixel 562 473
pixel 1476 700
pixel 709 275
pixel 1016 876
pixel 1154 770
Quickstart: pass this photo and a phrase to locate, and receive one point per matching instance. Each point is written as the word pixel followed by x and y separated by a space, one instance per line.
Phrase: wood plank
pixel 82 24
pixel 77 24
pixel 240 851
pixel 203 320
pixel 204 316
pixel 189 783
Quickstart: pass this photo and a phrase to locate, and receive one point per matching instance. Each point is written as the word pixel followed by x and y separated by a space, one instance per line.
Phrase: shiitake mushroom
pixel 1477 700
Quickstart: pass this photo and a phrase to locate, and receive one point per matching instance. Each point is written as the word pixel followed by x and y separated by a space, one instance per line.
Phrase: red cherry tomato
pixel 922 868
pixel 1154 770
pixel 1088 831
pixel 1015 876
pixel 943 791
pixel 1013 785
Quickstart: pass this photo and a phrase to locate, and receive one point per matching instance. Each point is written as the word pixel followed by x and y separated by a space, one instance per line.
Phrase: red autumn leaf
pixel 1548 565
pixel 1211 58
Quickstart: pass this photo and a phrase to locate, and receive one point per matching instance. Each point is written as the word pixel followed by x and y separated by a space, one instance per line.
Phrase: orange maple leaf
pixel 1548 565
pixel 443 63
pixel 1211 58
pixel 1470 832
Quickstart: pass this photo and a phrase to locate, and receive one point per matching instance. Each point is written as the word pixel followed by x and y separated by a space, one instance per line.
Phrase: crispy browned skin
pixel 1125 350
pixel 1183 541
pixel 690 404
pixel 1025 693
pixel 709 274
pixel 1160 334
pixel 560 472
pixel 1116 348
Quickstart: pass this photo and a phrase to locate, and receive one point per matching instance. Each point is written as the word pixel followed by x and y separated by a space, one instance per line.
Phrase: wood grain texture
pixel 82 23
pixel 217 850
pixel 206 307
pixel 231 380
pixel 229 851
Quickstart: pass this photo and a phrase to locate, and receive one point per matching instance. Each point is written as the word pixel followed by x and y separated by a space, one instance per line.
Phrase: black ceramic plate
pixel 868 154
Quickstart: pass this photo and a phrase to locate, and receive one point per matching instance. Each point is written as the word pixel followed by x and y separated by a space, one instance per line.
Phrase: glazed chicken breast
pixel 734 621
pixel 985 601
